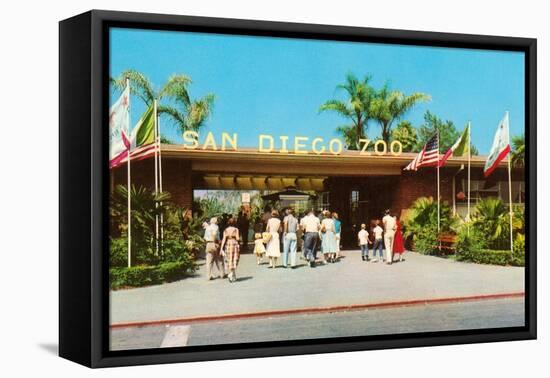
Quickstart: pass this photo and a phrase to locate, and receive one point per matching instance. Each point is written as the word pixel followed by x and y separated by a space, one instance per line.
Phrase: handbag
pixel 266 236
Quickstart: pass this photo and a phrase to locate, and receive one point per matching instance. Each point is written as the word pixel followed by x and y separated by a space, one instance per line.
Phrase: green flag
pixel 460 148
pixel 144 131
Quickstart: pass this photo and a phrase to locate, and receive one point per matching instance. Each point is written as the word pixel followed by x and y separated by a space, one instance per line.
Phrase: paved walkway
pixel 348 282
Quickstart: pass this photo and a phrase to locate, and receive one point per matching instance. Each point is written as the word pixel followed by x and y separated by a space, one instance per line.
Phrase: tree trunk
pixel 386 134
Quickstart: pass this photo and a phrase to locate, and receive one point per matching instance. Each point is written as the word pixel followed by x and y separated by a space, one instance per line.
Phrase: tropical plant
pixel 421 223
pixel 356 109
pixel 145 206
pixel 518 150
pixel 389 106
pixel 406 134
pixel 470 240
pixel 492 217
pixel 518 220
pixel 173 98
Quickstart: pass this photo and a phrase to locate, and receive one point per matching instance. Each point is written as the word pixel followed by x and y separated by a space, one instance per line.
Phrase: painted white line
pixel 176 336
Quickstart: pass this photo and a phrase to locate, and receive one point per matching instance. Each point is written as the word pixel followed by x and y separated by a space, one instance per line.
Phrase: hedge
pixel 490 256
pixel 145 275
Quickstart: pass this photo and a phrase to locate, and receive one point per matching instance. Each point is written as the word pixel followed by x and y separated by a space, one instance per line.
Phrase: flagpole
pixel 129 181
pixel 469 159
pixel 511 211
pixel 454 194
pixel 160 184
pixel 156 178
pixel 438 195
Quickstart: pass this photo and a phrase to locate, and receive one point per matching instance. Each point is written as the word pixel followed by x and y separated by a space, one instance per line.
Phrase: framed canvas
pixel 235 188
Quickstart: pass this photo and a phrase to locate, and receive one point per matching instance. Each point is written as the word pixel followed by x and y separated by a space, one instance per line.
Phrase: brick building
pixel 358 187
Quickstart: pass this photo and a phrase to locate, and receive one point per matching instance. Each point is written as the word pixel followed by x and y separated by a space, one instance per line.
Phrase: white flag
pixel 500 148
pixel 119 123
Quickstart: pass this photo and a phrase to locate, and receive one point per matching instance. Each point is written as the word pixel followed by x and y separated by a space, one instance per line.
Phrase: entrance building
pixel 359 187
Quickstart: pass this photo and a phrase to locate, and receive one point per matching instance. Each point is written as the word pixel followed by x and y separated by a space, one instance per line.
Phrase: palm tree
pixel 518 150
pixel 389 106
pixel 173 98
pixel 355 108
pixel 146 205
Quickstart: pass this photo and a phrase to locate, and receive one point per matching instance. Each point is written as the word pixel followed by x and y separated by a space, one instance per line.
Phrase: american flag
pixel 428 157
pixel 141 153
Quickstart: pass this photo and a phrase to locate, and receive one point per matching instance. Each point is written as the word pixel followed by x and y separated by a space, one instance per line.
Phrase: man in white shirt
pixel 311 225
pixel 390 225
pixel 212 239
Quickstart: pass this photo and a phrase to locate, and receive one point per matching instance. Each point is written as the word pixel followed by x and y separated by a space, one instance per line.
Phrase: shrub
pixel 486 256
pixel 474 247
pixel 421 223
pixel 144 275
pixel 472 240
pixel 118 252
pixel 519 251
pixel 425 239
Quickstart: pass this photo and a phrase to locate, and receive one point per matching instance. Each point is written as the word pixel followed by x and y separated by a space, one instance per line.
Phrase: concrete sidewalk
pixel 348 282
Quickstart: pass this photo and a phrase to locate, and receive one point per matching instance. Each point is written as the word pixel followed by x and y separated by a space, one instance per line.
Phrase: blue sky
pixel 276 85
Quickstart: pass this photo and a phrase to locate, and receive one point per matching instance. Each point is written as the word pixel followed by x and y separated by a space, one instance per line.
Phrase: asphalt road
pixel 419 318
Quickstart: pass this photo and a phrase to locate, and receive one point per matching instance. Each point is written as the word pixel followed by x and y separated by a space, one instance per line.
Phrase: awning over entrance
pixel 259 182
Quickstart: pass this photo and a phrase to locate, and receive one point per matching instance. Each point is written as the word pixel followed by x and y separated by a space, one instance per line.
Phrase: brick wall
pixel 176 173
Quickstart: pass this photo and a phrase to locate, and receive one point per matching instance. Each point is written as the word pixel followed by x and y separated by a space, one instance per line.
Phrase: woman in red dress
pixel 398 244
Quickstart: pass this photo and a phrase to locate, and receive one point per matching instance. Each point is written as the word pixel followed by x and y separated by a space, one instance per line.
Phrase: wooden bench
pixel 446 243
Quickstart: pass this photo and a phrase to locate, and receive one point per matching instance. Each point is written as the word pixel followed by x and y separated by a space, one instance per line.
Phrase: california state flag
pixel 119 122
pixel 501 147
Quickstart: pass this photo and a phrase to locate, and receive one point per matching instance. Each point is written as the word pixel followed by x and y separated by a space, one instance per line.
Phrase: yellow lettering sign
pixel 209 142
pixel 393 149
pixel 192 137
pixel 365 143
pixel 231 140
pixel 261 140
pixel 339 146
pixel 314 146
pixel 299 144
pixel 283 148
pixel 384 147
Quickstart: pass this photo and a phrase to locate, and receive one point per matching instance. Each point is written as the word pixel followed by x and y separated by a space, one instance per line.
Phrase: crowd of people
pixel 280 236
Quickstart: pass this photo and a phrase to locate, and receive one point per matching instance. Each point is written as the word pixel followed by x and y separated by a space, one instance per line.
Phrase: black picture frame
pixel 83 181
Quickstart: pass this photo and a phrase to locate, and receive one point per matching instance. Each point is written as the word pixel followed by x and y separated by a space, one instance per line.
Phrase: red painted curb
pixel 315 310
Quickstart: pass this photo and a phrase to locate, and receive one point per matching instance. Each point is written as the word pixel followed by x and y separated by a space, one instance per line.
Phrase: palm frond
pixel 177 118
pixel 176 89
pixel 199 111
pixel 336 106
pixel 139 85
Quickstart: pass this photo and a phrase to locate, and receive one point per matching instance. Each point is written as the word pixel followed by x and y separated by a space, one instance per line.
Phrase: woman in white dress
pixel 274 245
pixel 328 237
